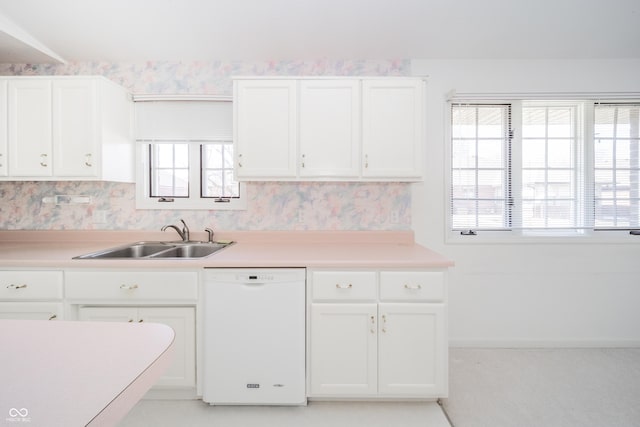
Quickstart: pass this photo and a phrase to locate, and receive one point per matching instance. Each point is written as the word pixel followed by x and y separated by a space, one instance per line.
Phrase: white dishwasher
pixel 254 336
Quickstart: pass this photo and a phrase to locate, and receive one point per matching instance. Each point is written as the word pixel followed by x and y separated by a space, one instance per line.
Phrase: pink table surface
pixel 59 373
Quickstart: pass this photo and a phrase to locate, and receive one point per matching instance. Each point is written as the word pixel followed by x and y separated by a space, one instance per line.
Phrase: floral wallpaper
pixel 271 206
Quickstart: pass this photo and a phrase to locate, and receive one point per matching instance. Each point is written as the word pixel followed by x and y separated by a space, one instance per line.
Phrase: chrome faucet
pixel 184 233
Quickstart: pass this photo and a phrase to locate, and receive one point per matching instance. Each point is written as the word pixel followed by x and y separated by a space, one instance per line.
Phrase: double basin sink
pixel 159 250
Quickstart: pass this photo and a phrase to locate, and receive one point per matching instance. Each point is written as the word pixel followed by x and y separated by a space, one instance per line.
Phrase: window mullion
pixel 195 191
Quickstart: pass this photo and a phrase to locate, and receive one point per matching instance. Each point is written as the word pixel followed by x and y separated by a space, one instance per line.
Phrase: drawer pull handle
pixel 413 287
pixel 339 286
pixel 43 160
pixel 128 287
pixel 12 286
pixel 53 316
pixel 141 320
pixel 88 161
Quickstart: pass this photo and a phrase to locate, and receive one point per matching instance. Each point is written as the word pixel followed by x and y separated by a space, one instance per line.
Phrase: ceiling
pixel 46 31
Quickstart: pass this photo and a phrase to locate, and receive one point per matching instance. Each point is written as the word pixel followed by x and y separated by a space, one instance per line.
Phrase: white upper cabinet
pixel 29 124
pixel 329 129
pixel 265 115
pixel 67 128
pixel 75 133
pixel 392 128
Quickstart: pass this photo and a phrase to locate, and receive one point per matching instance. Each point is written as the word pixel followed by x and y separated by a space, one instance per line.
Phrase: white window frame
pixel 194 201
pixel 584 166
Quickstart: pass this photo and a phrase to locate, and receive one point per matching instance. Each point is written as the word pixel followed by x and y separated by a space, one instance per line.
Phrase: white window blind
pixel 184 120
pixel 480 174
pixel 550 174
pixel 617 166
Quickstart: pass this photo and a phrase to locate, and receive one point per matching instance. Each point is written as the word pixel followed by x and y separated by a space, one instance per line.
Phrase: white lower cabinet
pixel 361 346
pixel 169 297
pixel 410 349
pixel 182 371
pixel 31 294
pixel 343 349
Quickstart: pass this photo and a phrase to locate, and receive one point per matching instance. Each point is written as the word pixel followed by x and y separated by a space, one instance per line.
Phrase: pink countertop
pixel 57 373
pixel 337 249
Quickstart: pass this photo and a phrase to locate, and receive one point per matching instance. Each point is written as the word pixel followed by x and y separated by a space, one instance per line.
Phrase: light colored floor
pixel 190 413
pixel 488 388
pixel 544 387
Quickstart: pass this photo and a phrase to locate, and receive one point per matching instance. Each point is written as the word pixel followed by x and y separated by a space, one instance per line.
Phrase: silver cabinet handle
pixel 373 324
pixel 43 160
pixel 413 287
pixel 339 286
pixel 366 161
pixel 303 160
pixel 128 287
pixel 12 286
pixel 88 160
pixel 384 323
pixel 239 160
pixel 53 317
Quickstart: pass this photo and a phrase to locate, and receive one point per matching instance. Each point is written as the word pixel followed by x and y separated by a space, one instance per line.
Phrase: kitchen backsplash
pixel 271 206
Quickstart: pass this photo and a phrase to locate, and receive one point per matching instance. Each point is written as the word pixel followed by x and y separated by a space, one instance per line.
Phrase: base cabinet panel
pixel 182 372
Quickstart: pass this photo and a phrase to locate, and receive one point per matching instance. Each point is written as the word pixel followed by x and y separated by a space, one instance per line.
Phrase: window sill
pixel 189 204
pixel 509 238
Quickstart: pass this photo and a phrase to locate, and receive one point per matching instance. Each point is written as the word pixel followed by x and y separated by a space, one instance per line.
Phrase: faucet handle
pixel 185 231
pixel 210 233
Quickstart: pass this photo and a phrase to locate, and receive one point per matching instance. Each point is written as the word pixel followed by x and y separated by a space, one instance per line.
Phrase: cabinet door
pixel 343 349
pixel 392 128
pixel 412 350
pixel 29 127
pixel 75 130
pixel 4 170
pixel 265 128
pixel 182 372
pixel 31 310
pixel 108 314
pixel 329 128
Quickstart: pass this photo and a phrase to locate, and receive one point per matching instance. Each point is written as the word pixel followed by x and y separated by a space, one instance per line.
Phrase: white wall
pixel 559 294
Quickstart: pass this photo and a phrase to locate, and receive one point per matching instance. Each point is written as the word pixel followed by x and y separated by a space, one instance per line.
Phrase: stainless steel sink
pixel 191 250
pixel 158 250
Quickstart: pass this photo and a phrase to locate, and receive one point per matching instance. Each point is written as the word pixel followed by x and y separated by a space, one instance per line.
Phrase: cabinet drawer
pixel 132 285
pixel 344 285
pixel 413 286
pixel 30 285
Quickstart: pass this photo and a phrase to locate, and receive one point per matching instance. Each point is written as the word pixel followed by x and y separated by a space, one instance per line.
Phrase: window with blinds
pixel 544 167
pixel 481 173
